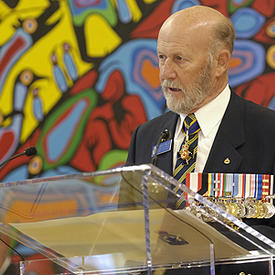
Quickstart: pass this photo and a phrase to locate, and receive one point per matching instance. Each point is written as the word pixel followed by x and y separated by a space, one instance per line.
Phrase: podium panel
pixel 123 221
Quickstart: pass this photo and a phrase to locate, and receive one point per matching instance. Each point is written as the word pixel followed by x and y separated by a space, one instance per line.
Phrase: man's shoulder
pixel 260 114
pixel 257 112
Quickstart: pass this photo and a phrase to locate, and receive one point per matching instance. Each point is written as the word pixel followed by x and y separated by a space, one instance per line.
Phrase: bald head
pixel 194 51
pixel 209 24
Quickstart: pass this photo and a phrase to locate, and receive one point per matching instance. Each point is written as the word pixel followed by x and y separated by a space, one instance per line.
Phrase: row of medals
pixel 237 207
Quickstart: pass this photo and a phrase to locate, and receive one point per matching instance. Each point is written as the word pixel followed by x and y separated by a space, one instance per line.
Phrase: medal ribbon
pixel 228 189
pixel 241 183
pixel 258 186
pixel 235 185
pixel 193 182
pixel 217 183
pixel 211 184
pixel 266 184
pixel 253 186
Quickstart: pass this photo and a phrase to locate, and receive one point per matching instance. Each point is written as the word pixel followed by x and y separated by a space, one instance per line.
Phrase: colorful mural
pixel 77 77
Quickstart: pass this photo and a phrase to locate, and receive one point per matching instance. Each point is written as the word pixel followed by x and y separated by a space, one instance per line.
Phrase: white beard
pixel 188 99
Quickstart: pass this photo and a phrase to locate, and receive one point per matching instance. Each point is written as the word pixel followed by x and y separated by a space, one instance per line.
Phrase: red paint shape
pixel 6 142
pixel 104 112
pixel 87 81
pixel 262 36
pixel 9 54
pixel 87 4
pixel 32 141
pixel 150 26
pixel 110 126
pixel 134 115
pixel 218 5
pixel 265 7
pixel 94 145
pixel 114 88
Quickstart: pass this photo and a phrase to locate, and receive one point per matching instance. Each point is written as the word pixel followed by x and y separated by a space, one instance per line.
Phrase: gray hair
pixel 223 35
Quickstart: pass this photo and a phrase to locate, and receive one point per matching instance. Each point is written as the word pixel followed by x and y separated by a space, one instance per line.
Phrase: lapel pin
pixel 227 161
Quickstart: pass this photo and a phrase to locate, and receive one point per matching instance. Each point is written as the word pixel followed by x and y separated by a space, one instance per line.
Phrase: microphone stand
pixel 28 152
pixel 163 137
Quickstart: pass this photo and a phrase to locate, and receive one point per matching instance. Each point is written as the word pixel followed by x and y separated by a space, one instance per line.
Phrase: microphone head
pixel 30 151
pixel 165 135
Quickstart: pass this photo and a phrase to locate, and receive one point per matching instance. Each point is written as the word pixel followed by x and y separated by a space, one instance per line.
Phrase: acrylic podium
pixel 120 221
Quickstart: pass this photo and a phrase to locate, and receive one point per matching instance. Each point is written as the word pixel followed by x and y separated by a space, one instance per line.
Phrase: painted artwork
pixel 77 77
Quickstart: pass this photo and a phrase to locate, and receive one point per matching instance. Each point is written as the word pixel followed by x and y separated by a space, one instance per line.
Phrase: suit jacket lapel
pixel 224 156
pixel 165 160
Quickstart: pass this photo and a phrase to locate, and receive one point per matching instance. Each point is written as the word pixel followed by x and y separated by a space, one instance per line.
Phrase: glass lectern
pixel 123 221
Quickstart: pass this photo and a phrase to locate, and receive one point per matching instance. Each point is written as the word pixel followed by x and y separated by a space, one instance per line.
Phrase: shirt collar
pixel 209 115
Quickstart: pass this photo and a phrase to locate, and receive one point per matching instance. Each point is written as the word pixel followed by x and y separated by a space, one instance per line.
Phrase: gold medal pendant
pixel 262 209
pixel 184 153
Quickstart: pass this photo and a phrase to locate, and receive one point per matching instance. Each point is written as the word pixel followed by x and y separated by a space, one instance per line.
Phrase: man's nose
pixel 167 71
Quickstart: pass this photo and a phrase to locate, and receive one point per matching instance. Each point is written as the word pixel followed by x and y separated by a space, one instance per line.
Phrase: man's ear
pixel 222 60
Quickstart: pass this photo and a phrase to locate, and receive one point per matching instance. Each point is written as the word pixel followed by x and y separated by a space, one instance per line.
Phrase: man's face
pixel 185 69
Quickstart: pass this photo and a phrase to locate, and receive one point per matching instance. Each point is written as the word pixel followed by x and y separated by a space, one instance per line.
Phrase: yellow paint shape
pixel 100 37
pixel 135 11
pixel 149 1
pixel 270 56
pixel 38 59
pixel 9 17
pixel 270 29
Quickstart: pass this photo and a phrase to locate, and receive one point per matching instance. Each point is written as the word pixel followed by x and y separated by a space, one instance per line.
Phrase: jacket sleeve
pixel 132 150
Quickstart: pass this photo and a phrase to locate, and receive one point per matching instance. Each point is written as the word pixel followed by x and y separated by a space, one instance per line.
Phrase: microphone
pixel 28 152
pixel 165 134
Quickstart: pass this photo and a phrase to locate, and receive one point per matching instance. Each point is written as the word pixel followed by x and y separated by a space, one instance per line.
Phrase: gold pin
pixel 226 161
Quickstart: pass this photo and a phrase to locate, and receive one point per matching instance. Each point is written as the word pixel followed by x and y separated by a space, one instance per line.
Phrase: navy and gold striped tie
pixel 186 157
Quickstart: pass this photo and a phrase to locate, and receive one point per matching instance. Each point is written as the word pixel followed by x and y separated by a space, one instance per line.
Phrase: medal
pixel 227 207
pixel 241 209
pixel 270 210
pixel 221 204
pixel 233 209
pixel 184 152
pixel 262 210
pixel 251 210
pixel 267 195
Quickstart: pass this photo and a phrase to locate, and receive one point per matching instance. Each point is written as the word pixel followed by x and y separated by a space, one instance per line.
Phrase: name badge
pixel 163 147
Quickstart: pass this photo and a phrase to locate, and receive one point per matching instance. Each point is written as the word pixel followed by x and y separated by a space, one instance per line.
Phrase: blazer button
pixel 227 161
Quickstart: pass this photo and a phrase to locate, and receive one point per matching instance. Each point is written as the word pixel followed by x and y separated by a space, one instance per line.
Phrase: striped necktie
pixel 186 157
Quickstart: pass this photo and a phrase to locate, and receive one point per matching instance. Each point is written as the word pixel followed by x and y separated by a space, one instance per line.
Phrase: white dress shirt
pixel 209 118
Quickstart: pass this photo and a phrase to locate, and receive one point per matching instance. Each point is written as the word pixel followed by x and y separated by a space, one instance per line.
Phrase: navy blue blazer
pixel 246 136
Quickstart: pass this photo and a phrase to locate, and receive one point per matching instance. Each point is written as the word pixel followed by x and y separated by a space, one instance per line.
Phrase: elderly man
pixel 194 50
pixel 221 131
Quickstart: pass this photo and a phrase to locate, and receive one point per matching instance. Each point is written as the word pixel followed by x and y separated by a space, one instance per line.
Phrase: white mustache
pixel 171 84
